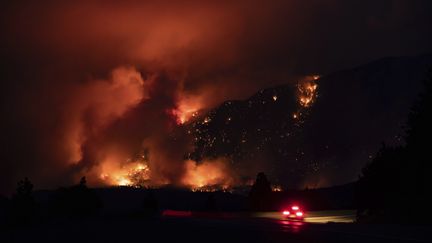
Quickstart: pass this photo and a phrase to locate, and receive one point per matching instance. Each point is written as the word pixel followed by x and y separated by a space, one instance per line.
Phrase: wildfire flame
pixel 187 108
pixel 131 174
pixel 207 176
pixel 307 93
pixel 183 115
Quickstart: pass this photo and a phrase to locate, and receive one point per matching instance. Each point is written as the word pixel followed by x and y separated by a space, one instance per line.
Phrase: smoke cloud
pixel 90 86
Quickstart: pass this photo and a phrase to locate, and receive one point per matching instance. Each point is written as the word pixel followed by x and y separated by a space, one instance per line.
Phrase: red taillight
pixel 285 212
pixel 299 214
pixel 295 208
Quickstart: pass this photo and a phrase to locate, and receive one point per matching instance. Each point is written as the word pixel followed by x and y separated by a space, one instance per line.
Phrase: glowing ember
pixel 207 120
pixel 276 188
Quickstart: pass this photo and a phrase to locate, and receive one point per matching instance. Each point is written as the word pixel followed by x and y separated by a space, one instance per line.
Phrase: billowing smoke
pixel 104 89
pixel 91 107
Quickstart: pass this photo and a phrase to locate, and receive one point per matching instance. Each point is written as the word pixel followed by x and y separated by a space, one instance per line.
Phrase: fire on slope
pixel 207 175
pixel 307 92
pixel 136 174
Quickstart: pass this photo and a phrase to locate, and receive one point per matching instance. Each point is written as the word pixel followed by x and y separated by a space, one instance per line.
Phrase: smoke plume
pixel 105 88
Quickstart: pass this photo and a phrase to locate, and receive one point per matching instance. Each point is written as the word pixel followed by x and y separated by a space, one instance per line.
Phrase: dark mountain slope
pixel 328 143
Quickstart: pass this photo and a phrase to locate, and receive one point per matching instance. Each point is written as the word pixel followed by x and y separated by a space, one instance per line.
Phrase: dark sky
pixel 88 84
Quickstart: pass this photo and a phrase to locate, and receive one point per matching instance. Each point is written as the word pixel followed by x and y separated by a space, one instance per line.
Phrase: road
pixel 316 217
pixel 262 227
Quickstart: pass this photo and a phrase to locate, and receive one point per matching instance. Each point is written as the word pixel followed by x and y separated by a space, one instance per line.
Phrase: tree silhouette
pixel 418 146
pixel 259 196
pixel 397 180
pixel 23 206
pixel 76 201
pixel 419 134
pixel 380 188
pixel 150 205
pixel 83 182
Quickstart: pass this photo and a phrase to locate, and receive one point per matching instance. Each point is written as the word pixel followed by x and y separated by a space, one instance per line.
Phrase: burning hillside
pixel 196 150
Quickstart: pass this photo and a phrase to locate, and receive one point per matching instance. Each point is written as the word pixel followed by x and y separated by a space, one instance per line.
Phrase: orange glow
pixel 276 188
pixel 107 99
pixel 166 57
pixel 129 174
pixel 184 114
pixel 207 175
pixel 188 107
pixel 124 182
pixel 307 93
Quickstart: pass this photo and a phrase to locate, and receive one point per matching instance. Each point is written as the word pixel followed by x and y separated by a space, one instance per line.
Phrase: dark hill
pixel 356 110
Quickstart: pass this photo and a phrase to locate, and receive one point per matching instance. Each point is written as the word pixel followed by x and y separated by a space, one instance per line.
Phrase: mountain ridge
pixel 356 110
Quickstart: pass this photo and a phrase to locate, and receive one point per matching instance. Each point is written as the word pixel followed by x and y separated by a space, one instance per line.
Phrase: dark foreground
pixel 187 228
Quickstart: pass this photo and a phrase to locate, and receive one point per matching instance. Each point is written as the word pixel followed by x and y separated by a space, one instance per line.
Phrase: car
pixel 293 213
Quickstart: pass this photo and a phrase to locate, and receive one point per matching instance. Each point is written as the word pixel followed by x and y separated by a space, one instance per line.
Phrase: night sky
pixel 197 94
